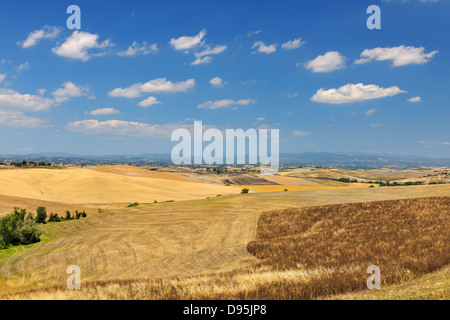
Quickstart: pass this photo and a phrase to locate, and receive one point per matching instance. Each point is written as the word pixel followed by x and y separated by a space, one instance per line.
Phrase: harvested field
pixel 193 249
pixel 81 185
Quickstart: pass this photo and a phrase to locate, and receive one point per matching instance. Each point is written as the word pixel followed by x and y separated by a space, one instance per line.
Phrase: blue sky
pixel 137 70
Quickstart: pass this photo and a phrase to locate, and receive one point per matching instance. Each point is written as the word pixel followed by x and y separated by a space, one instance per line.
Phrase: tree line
pixel 22 228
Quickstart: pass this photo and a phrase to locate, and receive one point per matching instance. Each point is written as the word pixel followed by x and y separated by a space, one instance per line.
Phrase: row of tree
pixel 21 227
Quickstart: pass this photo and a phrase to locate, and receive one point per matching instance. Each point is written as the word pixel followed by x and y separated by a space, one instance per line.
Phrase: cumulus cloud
pixel 133 91
pixel 79 45
pixel 293 44
pixel 217 82
pixel 226 103
pixel 19 119
pixel 69 90
pixel 186 42
pixel 10 99
pixel 328 62
pixel 354 93
pixel 119 127
pixel 47 32
pixel 160 85
pixel 415 99
pixel 400 56
pixel 300 133
pixel 139 49
pixel 370 112
pixel 261 47
pixel 150 101
pixel 104 112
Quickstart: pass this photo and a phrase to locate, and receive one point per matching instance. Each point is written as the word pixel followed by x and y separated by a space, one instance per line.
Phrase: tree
pixel 41 216
pixel 244 191
pixel 14 230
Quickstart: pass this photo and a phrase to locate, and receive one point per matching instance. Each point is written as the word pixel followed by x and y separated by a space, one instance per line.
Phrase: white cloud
pixel 291 95
pixel 217 82
pixel 293 44
pixel 160 85
pixel 261 47
pixel 10 99
pixel 150 101
pixel 375 125
pixel 41 91
pixel 261 119
pixel 186 42
pixel 104 112
pixel 300 133
pixel 209 51
pixel 79 44
pixel 444 143
pixel 2 77
pixel 253 33
pixel 137 49
pixel 415 99
pixel 119 127
pixel 69 90
pixel 47 32
pixel 354 93
pixel 204 60
pixel 400 56
pixel 19 119
pixel 23 67
pixel 206 55
pixel 370 112
pixel 226 103
pixel 131 92
pixel 328 62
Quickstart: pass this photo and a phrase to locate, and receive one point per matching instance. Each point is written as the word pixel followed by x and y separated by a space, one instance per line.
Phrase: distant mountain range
pixel 324 159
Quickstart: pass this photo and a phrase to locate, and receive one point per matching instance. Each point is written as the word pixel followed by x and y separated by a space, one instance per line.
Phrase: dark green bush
pixel 41 216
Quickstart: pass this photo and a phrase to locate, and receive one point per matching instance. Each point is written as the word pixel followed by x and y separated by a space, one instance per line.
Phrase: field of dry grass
pixel 88 186
pixel 189 249
pixel 280 188
pixel 432 286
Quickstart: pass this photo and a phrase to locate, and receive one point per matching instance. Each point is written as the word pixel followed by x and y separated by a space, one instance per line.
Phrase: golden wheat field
pixel 198 248
pixel 89 186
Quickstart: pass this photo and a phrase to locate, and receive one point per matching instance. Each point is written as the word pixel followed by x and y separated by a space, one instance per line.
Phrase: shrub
pixel 244 191
pixel 54 218
pixel 15 230
pixel 29 232
pixel 41 216
pixel 133 205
